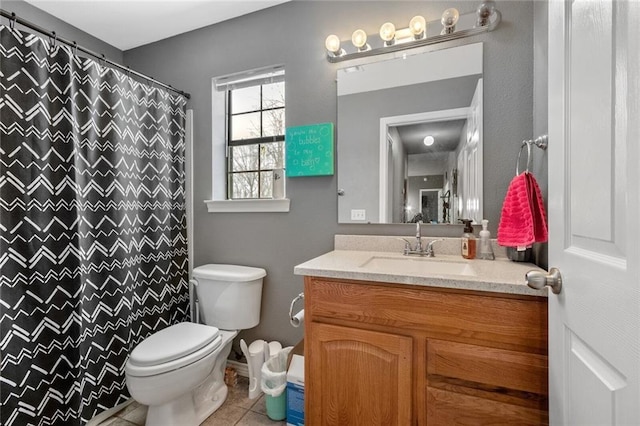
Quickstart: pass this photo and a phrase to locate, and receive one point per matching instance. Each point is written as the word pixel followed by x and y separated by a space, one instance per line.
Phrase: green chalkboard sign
pixel 309 150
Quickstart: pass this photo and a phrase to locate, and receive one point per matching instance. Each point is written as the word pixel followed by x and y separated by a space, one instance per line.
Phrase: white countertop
pixel 500 275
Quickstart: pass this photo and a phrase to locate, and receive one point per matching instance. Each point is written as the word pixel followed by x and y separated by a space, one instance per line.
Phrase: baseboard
pixel 241 368
pixel 106 415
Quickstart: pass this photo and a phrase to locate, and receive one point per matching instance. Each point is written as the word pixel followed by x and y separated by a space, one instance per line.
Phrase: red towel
pixel 523 218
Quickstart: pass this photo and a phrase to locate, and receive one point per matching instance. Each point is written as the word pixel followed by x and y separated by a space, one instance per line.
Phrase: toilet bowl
pixel 179 371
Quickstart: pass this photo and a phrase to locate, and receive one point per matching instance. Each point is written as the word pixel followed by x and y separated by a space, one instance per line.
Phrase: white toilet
pixel 179 371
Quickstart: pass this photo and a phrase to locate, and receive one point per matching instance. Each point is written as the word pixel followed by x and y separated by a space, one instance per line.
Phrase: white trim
pixel 241 206
pixel 219 202
pixel 241 367
pixel 188 139
pixel 385 122
pixel 218 146
pixel 438 192
pixel 256 77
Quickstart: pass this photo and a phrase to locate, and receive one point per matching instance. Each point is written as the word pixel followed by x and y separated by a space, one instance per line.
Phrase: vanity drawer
pixel 520 374
pixel 446 408
pixel 483 318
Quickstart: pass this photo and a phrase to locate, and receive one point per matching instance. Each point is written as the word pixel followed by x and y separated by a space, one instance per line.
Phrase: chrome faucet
pixel 429 251
pixel 419 250
pixel 418 237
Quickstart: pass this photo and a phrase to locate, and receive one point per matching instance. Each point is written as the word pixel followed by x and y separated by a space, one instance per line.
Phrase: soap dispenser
pixel 485 250
pixel 468 240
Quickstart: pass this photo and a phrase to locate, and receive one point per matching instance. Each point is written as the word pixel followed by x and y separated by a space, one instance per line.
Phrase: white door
pixel 473 168
pixel 594 180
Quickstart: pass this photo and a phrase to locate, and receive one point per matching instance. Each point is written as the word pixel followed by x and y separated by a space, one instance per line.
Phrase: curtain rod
pixel 52 34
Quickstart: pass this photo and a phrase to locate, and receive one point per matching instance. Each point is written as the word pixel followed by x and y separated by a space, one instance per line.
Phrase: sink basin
pixel 420 266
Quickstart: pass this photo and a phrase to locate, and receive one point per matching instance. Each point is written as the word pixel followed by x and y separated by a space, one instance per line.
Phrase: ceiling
pixel 447 135
pixel 133 23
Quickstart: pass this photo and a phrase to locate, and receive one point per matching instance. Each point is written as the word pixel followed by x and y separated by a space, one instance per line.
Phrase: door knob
pixel 538 280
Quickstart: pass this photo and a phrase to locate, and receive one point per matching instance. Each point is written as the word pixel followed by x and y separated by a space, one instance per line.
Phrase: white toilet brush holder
pixel 255 358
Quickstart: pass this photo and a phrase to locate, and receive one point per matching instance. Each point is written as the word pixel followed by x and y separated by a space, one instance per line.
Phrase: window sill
pixel 247 206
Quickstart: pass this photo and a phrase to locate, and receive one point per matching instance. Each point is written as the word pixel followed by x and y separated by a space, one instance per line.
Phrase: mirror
pixel 386 110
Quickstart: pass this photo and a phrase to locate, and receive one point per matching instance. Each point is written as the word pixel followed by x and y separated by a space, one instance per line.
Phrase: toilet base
pixel 185 411
pixel 178 411
pixel 193 408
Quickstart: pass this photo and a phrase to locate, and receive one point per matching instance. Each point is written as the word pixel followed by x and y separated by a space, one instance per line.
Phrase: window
pixel 255 128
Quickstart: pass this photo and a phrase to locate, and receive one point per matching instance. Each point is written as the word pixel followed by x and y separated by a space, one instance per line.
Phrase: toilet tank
pixel 229 296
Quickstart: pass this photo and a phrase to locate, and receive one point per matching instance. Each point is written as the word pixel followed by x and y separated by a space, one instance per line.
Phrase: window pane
pixel 246 99
pixel 266 184
pixel 256 112
pixel 272 155
pixel 273 122
pixel 273 95
pixel 243 158
pixel 244 185
pixel 245 126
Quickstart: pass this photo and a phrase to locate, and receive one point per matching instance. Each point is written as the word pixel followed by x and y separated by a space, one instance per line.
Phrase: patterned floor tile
pixel 117 421
pixel 259 407
pixel 226 415
pixel 239 394
pixel 238 409
pixel 134 413
pixel 255 419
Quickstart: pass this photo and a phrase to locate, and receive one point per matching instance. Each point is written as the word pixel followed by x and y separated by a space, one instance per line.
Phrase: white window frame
pixel 219 202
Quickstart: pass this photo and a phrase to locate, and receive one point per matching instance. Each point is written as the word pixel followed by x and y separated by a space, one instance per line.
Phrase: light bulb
pixel 429 140
pixel 387 33
pixel 332 43
pixel 449 20
pixel 484 12
pixel 417 26
pixel 359 39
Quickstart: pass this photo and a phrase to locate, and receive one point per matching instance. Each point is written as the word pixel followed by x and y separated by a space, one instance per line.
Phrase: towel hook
pixel 541 142
pixel 528 145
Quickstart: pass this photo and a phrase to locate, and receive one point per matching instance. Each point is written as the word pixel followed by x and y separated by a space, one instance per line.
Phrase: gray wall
pixel 30 13
pixel 293 34
pixel 358 149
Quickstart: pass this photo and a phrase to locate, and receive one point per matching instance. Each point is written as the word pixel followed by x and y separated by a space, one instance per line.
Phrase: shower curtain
pixel 93 248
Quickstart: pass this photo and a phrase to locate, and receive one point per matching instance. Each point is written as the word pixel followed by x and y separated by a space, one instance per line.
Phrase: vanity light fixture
pixel 449 20
pixel 428 140
pixel 484 12
pixel 332 44
pixel 388 33
pixel 418 27
pixel 418 33
pixel 359 40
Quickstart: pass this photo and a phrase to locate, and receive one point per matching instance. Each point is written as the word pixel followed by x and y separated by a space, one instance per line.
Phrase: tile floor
pixel 238 410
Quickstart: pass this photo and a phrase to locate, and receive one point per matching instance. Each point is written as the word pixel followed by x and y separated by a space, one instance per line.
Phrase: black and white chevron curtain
pixel 93 247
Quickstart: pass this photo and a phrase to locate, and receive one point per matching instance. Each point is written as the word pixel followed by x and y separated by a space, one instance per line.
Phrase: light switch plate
pixel 358 214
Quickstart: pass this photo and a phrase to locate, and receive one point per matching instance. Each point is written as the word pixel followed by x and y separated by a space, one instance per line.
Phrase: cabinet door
pixel 358 377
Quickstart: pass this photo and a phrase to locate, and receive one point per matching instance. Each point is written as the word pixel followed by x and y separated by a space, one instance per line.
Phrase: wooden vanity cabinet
pixel 388 354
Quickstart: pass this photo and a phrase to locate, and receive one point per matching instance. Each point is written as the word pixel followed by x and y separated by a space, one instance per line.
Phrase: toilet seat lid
pixel 172 343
